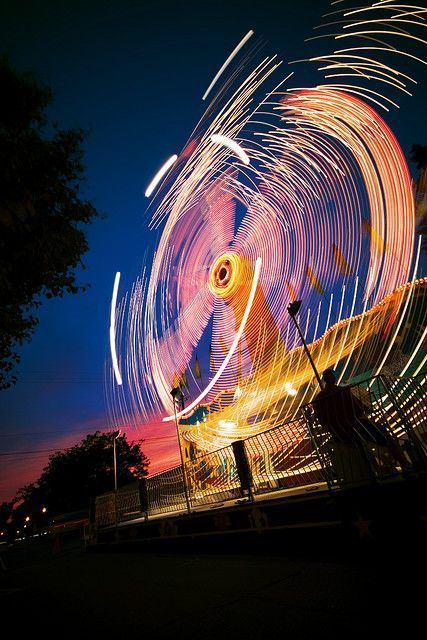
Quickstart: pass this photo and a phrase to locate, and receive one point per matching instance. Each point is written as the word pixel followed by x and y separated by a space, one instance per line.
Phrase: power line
pixel 23 434
pixel 38 451
pixel 70 431
pixel 23 453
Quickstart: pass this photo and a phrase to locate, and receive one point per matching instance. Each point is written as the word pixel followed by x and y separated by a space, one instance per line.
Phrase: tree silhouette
pixel 41 210
pixel 76 475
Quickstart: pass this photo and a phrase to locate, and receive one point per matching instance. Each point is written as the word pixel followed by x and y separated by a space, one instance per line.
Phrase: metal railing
pixel 213 477
pixel 365 433
pixel 283 457
pixel 165 491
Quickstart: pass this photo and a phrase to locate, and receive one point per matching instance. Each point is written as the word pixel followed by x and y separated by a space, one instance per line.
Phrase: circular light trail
pixel 317 190
pixel 159 175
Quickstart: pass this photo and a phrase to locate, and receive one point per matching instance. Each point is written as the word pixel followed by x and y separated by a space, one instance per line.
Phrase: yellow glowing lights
pixel 229 272
pixel 316 189
pixel 233 347
pixel 289 389
pixel 228 425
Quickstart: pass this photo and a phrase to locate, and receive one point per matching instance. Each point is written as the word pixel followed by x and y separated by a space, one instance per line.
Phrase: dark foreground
pixel 60 590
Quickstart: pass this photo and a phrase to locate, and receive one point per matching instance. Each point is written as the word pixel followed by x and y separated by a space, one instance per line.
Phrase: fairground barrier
pixel 388 419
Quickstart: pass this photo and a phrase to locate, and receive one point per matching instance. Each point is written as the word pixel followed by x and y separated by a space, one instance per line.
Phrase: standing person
pixel 334 409
pixel 344 415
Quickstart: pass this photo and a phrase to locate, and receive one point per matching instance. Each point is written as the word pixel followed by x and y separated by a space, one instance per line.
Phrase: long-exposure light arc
pixel 160 174
pixel 113 330
pixel 323 197
pixel 230 353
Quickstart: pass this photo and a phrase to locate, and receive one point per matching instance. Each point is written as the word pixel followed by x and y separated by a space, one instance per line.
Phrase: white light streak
pixel 227 424
pixel 290 390
pixel 227 62
pixel 414 353
pixel 232 145
pixel 232 348
pixel 159 175
pixel 403 315
pixel 113 329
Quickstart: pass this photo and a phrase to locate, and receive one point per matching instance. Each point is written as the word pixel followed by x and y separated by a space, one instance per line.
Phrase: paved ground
pixel 211 593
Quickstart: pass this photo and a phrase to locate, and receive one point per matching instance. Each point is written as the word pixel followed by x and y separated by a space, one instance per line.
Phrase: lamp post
pixel 175 393
pixel 293 309
pixel 116 434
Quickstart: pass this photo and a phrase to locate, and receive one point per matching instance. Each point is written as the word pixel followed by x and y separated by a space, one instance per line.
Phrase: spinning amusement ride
pixel 282 193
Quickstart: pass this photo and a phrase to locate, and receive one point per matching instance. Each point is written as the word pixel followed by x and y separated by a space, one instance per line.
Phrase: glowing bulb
pixel 227 424
pixel 290 390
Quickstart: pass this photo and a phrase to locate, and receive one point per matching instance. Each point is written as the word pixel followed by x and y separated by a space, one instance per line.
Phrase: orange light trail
pixel 317 190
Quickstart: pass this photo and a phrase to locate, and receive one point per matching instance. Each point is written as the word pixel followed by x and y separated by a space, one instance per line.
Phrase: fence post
pixel 143 496
pixel 243 468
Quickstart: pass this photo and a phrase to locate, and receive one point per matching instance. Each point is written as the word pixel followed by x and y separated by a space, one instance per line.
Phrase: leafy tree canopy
pixel 41 210
pixel 75 475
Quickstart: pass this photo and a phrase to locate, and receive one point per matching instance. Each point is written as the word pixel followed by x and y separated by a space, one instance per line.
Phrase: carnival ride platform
pixel 307 484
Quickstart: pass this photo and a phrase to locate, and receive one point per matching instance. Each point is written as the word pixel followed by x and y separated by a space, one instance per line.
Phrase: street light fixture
pixel 293 309
pixel 177 395
pixel 116 434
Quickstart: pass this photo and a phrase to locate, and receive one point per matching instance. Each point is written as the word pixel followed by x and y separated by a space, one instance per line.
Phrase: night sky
pixel 133 73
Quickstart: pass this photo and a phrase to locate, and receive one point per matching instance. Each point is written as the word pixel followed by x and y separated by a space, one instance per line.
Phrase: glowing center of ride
pixel 223 274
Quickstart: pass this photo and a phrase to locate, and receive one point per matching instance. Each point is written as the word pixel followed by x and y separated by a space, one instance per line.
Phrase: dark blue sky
pixel 134 73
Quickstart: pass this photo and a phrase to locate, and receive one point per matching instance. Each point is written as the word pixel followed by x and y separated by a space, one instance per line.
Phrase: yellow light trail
pixel 233 347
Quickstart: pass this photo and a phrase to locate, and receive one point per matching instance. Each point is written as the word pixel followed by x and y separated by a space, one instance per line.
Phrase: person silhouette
pixel 334 410
pixel 344 416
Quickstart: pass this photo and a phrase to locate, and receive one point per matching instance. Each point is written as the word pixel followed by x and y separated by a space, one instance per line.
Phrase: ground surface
pixel 210 593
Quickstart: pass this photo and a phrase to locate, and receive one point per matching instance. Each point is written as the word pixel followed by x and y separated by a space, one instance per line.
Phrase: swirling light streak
pixel 233 347
pixel 113 329
pixel 159 175
pixel 232 55
pixel 326 178
pixel 232 145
